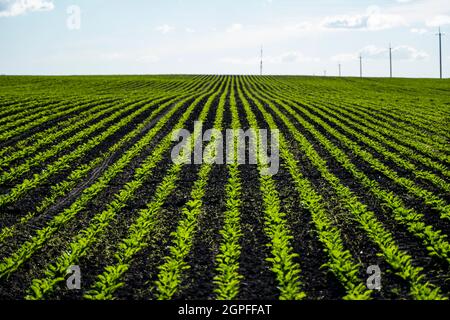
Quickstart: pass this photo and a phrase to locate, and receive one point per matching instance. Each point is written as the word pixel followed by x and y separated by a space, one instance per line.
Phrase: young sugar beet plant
pixel 91 235
pixel 398 160
pixel 13 262
pixel 387 138
pixel 283 263
pixel 406 133
pixel 53 115
pixel 227 279
pixel 138 233
pixel 341 262
pixel 435 241
pixel 64 162
pixel 42 138
pixel 171 271
pixel 17 172
pixel 64 187
pixel 68 126
pixel 398 259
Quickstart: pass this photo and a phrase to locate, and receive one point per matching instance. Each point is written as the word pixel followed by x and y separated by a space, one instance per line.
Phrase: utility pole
pixel 340 70
pixel 360 67
pixel 324 73
pixel 261 65
pixel 390 60
pixel 440 52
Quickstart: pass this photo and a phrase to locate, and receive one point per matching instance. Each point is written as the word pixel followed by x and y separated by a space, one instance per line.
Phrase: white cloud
pixel 343 57
pixel 284 58
pixel 372 52
pixel 189 30
pixel 372 19
pixel 235 27
pixel 250 36
pixel 419 30
pixel 299 27
pixel 420 11
pixel 291 57
pixel 437 21
pixel 409 53
pixel 165 28
pixel 240 61
pixel 140 56
pixel 12 8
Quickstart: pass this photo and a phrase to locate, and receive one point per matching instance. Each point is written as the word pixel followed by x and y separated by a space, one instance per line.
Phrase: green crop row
pixel 84 118
pixel 404 130
pixel 436 242
pixel 138 233
pixel 283 258
pixel 42 117
pixel 137 238
pixel 385 136
pixel 25 113
pixel 397 258
pixel 341 261
pixel 41 136
pixel 228 278
pixel 12 263
pixel 62 188
pixel 65 161
pixel 89 236
pixel 398 160
pixel 171 271
pixel 428 197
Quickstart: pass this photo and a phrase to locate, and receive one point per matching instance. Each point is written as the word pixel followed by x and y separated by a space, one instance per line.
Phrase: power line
pixel 390 60
pixel 261 65
pixel 440 34
pixel 360 67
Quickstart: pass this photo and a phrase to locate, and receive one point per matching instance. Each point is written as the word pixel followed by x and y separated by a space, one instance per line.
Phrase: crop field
pixel 87 183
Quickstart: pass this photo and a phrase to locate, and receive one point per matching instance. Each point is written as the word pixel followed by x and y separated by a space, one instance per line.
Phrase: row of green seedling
pixel 171 272
pixel 138 234
pixel 341 263
pixel 436 243
pixel 64 187
pixel 400 261
pixel 228 279
pixel 282 261
pixel 89 236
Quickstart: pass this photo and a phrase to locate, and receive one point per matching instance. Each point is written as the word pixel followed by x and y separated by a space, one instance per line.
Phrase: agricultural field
pixel 87 180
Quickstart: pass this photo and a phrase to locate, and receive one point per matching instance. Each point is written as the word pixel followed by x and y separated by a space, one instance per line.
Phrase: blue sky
pixel 222 37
